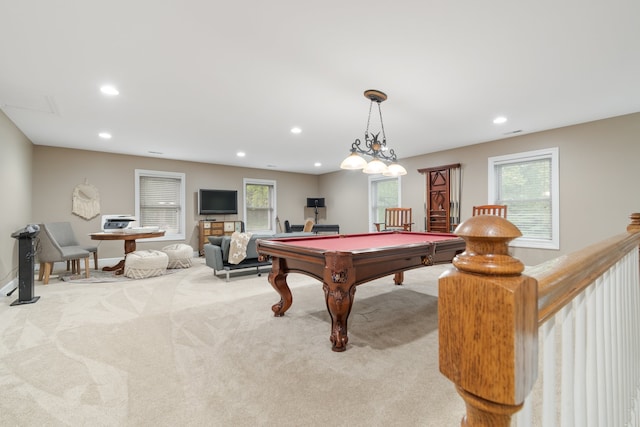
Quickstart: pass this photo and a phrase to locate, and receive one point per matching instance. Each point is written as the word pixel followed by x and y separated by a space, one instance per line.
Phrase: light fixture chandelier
pixel 383 160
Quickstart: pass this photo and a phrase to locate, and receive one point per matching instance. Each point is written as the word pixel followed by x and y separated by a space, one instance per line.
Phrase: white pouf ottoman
pixel 143 264
pixel 179 255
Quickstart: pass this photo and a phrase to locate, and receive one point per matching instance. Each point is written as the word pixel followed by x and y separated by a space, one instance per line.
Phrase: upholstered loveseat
pixel 218 250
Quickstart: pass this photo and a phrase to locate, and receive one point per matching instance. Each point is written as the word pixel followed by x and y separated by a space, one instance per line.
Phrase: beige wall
pixel 15 194
pixel 57 171
pixel 598 181
pixel 598 185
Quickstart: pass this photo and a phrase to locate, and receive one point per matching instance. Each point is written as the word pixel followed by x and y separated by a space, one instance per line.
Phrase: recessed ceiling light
pixel 109 90
pixel 499 120
pixel 296 130
pixel 317 164
pixel 241 154
pixel 104 135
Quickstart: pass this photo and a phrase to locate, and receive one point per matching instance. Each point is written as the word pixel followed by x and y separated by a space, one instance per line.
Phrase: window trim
pixel 375 178
pixel 272 183
pixel 553 154
pixel 182 217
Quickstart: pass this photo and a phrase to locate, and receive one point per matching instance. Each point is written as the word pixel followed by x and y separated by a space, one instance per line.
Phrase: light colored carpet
pixel 98 276
pixel 94 277
pixel 190 349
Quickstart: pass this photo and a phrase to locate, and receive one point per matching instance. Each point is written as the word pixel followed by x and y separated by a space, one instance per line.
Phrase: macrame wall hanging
pixel 86 201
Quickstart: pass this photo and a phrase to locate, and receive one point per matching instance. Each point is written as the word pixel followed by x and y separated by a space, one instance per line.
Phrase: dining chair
pixel 395 219
pixel 499 210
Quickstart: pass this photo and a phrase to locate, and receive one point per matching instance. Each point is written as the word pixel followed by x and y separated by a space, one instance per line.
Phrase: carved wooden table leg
pixel 398 278
pixel 339 302
pixel 278 280
pixel 339 289
pixel 129 246
pixel 118 268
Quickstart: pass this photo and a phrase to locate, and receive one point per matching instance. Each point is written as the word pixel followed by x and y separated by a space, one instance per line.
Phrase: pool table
pixel 342 262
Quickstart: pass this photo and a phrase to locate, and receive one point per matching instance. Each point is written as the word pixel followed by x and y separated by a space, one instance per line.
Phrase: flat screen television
pixel 217 202
pixel 313 202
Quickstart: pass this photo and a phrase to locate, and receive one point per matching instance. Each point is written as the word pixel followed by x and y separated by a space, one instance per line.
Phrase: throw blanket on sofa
pixel 238 247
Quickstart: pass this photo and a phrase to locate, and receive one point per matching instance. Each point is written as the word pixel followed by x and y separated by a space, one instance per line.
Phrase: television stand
pixel 212 227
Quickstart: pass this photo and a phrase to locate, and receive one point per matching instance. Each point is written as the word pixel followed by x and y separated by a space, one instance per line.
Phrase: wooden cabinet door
pixel 438 201
pixel 438 197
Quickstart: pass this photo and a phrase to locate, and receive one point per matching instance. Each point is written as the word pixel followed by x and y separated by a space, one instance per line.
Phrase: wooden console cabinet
pixel 215 228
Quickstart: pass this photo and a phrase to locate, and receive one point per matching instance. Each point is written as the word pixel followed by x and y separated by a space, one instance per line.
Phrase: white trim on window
pixel 553 240
pixel 373 180
pixel 176 229
pixel 273 214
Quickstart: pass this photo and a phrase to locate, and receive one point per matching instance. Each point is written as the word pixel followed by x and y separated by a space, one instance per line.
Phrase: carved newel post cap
pixel 634 224
pixel 487 250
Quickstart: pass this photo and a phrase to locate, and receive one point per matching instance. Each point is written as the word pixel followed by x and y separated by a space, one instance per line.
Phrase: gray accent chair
pixel 64 235
pixel 49 251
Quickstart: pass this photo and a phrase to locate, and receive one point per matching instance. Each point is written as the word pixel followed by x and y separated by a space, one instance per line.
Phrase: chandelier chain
pixel 366 131
pixel 384 136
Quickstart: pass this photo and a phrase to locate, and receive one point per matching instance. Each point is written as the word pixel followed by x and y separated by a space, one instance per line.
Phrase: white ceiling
pixel 200 80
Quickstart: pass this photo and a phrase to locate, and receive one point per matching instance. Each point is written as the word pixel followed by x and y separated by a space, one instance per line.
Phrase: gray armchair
pixel 63 233
pixel 49 251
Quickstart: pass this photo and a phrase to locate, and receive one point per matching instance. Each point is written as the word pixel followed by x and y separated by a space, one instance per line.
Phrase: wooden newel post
pixel 488 324
pixel 634 224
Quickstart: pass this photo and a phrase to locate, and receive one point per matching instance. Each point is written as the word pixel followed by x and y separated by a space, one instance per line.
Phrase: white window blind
pixel 528 184
pixel 384 192
pixel 259 205
pixel 160 202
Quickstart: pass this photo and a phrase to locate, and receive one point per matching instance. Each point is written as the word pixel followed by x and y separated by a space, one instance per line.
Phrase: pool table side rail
pixel 370 264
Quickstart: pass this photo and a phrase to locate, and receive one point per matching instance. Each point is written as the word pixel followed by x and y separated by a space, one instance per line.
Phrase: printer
pixel 116 222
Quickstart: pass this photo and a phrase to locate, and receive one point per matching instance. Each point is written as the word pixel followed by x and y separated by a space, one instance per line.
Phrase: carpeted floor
pixel 190 349
pixel 98 276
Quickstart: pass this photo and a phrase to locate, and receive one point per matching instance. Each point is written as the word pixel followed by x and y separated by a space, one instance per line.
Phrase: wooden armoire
pixel 442 198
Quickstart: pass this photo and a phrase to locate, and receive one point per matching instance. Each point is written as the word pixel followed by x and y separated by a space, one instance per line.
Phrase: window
pixel 528 184
pixel 259 205
pixel 160 202
pixel 384 192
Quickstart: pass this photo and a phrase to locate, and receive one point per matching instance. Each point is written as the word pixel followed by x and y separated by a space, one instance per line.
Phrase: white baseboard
pixel 9 287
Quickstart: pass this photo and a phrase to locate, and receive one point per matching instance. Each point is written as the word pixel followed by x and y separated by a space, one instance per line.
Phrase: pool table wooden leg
pixel 339 290
pixel 278 279
pixel 398 278
pixel 339 302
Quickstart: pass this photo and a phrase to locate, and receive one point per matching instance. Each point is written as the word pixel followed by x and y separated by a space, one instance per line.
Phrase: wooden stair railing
pixel 489 313
pixel 561 279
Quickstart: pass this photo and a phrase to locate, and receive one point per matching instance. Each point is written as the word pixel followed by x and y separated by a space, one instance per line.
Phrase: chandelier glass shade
pixel 383 160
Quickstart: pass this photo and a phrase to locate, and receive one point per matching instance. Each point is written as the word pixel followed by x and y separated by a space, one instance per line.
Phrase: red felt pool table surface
pixel 342 262
pixel 365 242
